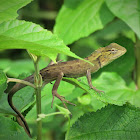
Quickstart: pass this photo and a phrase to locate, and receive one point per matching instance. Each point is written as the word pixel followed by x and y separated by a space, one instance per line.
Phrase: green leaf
pixel 115 88
pixel 113 30
pixel 63 111
pixel 135 100
pixel 112 122
pixel 84 85
pixel 3 82
pixel 26 35
pixel 85 99
pixel 15 68
pixel 20 99
pixel 128 11
pixel 10 130
pixel 8 8
pixel 81 18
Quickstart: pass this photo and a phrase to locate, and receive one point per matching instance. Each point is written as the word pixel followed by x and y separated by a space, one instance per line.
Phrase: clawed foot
pixel 97 90
pixel 62 98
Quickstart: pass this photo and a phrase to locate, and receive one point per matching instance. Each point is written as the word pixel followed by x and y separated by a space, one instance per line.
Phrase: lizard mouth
pixel 120 53
pixel 124 51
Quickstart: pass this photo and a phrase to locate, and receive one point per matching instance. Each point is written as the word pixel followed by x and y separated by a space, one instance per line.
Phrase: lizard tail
pixel 10 95
pixel 20 115
pixel 17 87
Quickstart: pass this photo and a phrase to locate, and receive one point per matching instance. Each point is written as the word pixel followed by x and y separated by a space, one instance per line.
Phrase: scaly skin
pixel 76 68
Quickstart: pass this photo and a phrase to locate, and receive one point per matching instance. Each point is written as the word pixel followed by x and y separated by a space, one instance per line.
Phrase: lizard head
pixel 110 53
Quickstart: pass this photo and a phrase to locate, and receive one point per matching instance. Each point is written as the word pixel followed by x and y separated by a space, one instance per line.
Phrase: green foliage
pixel 3 82
pixel 17 34
pixel 112 122
pixel 132 17
pixel 10 130
pixel 115 88
pixel 8 9
pixel 23 99
pixel 10 67
pixel 80 20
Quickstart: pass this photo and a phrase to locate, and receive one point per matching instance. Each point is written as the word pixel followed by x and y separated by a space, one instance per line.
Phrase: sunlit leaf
pixel 128 11
pixel 81 18
pixel 8 8
pixel 26 35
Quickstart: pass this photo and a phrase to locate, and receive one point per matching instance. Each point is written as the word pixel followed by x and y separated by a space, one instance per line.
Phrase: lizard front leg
pixel 88 75
pixel 54 91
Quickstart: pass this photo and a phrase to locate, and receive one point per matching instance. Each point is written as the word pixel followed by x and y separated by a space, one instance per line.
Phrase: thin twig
pixel 21 81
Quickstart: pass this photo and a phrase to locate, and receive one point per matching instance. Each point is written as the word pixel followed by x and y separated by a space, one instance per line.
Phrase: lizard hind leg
pixel 54 91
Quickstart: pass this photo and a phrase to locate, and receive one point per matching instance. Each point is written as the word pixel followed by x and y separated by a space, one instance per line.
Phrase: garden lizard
pixel 75 68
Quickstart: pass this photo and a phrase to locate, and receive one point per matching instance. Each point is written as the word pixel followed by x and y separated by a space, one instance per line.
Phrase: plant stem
pixel 38 83
pixel 20 81
pixel 137 52
pixel 38 107
pixel 51 114
pixel 66 137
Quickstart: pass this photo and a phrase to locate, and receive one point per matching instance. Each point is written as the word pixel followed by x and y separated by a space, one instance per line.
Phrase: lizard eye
pixel 113 50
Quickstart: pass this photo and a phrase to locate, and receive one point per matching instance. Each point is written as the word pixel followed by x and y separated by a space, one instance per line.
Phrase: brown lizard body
pixel 74 68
